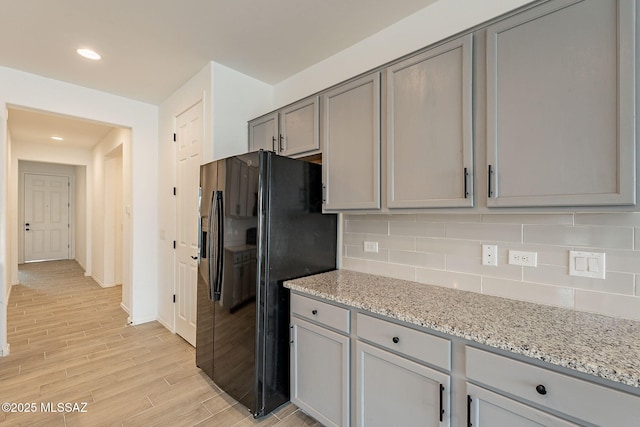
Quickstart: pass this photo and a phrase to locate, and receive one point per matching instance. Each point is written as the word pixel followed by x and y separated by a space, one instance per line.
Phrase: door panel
pixel 189 152
pixel 46 211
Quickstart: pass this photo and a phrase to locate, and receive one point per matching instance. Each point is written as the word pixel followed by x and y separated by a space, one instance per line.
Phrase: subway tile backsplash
pixel 445 250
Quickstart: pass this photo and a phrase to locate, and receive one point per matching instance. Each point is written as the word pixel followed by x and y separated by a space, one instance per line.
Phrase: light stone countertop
pixel 593 344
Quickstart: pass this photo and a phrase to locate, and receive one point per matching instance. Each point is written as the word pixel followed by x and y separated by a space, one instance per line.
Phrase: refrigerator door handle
pixel 210 246
pixel 219 218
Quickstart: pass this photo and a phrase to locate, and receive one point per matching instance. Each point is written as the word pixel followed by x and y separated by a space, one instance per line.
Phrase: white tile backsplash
pixel 526 291
pixel 492 232
pixel 449 279
pixel 360 226
pixel 631 219
pixel 417 259
pixel 609 304
pixel 593 236
pixel 418 229
pixel 445 250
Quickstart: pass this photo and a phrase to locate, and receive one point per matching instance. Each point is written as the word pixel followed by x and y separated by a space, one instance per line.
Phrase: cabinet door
pixel 487 409
pixel 299 129
pixel 394 391
pixel 263 133
pixel 320 372
pixel 429 128
pixel 351 150
pixel 560 105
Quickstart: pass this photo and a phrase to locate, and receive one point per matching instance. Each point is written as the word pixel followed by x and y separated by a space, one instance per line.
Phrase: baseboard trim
pixel 166 325
pixel 4 351
pixel 125 308
pixel 141 321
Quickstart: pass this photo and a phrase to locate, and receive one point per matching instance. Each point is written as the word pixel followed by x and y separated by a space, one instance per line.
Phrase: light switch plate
pixel 370 246
pixel 587 264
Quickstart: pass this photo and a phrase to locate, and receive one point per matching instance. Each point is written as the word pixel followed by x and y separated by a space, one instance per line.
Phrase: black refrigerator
pixel 260 223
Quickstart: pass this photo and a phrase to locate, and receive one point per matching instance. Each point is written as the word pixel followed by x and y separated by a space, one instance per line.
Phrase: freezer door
pixel 204 320
pixel 234 278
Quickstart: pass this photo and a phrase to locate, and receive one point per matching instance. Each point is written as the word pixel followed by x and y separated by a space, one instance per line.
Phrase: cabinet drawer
pixel 419 345
pixel 575 397
pixel 321 312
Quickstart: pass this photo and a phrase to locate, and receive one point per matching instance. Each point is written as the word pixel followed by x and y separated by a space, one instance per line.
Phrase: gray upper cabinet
pixel 351 145
pixel 299 128
pixel 263 133
pixel 429 128
pixel 560 105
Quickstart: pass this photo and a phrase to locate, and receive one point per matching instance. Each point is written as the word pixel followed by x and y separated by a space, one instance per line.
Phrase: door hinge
pixel 174 298
pixel 174 137
pixel 174 244
pixel 174 191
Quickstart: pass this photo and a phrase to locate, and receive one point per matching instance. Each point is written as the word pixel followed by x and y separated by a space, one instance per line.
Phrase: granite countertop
pixel 593 344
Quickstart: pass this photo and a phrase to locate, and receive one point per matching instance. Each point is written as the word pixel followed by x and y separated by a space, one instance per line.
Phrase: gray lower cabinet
pixel 320 360
pixel 393 384
pixel 394 391
pixel 561 105
pixel 488 409
pixel 351 145
pixel 429 128
pixel 568 397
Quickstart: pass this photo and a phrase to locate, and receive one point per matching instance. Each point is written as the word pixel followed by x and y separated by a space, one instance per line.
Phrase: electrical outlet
pixel 528 259
pixel 371 246
pixel 490 255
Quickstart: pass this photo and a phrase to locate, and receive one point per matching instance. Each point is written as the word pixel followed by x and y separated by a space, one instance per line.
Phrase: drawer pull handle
pixel 541 389
pixel 395 340
pixel 314 312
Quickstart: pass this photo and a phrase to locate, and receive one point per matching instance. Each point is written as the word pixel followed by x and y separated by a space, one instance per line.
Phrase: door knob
pixel 194 257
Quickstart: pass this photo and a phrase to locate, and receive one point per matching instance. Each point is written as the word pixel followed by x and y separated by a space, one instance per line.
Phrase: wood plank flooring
pixel 70 343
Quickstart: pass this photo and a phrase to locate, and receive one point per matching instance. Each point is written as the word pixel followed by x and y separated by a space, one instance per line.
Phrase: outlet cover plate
pixel 490 255
pixel 527 259
pixel 370 246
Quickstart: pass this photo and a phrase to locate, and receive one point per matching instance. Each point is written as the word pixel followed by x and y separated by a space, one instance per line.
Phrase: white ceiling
pixel 39 127
pixel 150 48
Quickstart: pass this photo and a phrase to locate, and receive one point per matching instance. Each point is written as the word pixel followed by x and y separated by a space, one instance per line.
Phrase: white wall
pixel 30 91
pixel 230 100
pixel 237 98
pixel 81 216
pixel 5 259
pixel 108 214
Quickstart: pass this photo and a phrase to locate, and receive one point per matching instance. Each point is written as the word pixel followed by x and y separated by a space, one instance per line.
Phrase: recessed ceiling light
pixel 88 53
pixel 57 138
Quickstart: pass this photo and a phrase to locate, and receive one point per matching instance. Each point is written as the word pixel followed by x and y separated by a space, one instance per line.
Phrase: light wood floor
pixel 70 344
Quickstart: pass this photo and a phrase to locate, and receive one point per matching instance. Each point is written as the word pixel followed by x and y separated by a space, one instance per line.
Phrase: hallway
pixel 70 344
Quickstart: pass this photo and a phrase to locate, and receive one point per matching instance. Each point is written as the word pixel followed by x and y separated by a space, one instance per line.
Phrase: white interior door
pixel 46 217
pixel 189 152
